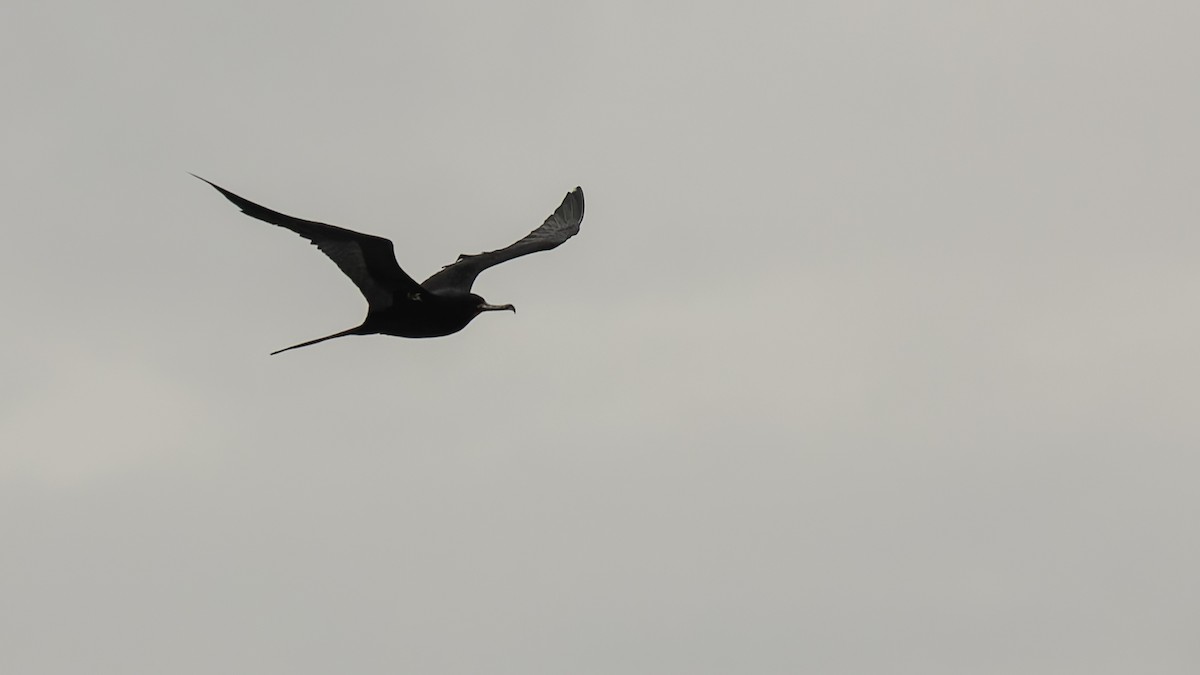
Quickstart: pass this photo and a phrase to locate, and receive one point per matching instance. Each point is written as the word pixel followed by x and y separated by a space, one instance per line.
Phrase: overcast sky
pixel 877 351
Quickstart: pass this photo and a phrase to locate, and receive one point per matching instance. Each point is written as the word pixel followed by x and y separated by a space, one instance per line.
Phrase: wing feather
pixel 369 261
pixel 559 227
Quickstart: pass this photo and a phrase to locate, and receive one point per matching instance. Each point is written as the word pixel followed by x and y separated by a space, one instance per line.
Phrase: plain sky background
pixel 877 352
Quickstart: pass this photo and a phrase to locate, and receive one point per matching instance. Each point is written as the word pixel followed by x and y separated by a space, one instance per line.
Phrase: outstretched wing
pixel 559 227
pixel 369 261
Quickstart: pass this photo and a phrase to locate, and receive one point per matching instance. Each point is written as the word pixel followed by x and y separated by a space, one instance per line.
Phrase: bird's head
pixel 481 305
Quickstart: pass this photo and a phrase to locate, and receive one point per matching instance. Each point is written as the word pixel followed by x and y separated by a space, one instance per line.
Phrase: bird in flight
pixel 396 304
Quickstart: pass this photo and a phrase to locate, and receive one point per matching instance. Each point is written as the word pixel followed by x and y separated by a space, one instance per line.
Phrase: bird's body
pixel 398 305
pixel 431 314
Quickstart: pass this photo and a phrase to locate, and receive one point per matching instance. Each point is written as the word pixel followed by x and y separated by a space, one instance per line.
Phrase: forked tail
pixel 352 331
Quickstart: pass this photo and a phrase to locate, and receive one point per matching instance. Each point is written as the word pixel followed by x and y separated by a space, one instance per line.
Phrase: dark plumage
pixel 398 305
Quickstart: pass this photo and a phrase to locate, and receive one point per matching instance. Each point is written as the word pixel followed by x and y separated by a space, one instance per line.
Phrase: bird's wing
pixel 369 261
pixel 559 227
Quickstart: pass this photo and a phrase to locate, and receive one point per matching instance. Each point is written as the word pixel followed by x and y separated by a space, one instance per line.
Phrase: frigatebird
pixel 396 304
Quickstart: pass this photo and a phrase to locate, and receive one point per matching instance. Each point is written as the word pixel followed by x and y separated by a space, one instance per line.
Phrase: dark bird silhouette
pixel 398 305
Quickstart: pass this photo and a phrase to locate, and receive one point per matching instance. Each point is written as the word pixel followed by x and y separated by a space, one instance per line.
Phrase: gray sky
pixel 877 352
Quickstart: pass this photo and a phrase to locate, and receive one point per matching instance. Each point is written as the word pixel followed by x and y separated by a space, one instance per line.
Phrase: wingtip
pixel 228 195
pixel 577 195
pixel 214 185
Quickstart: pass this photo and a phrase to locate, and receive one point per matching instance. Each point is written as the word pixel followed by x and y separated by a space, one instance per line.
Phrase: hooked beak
pixel 496 308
